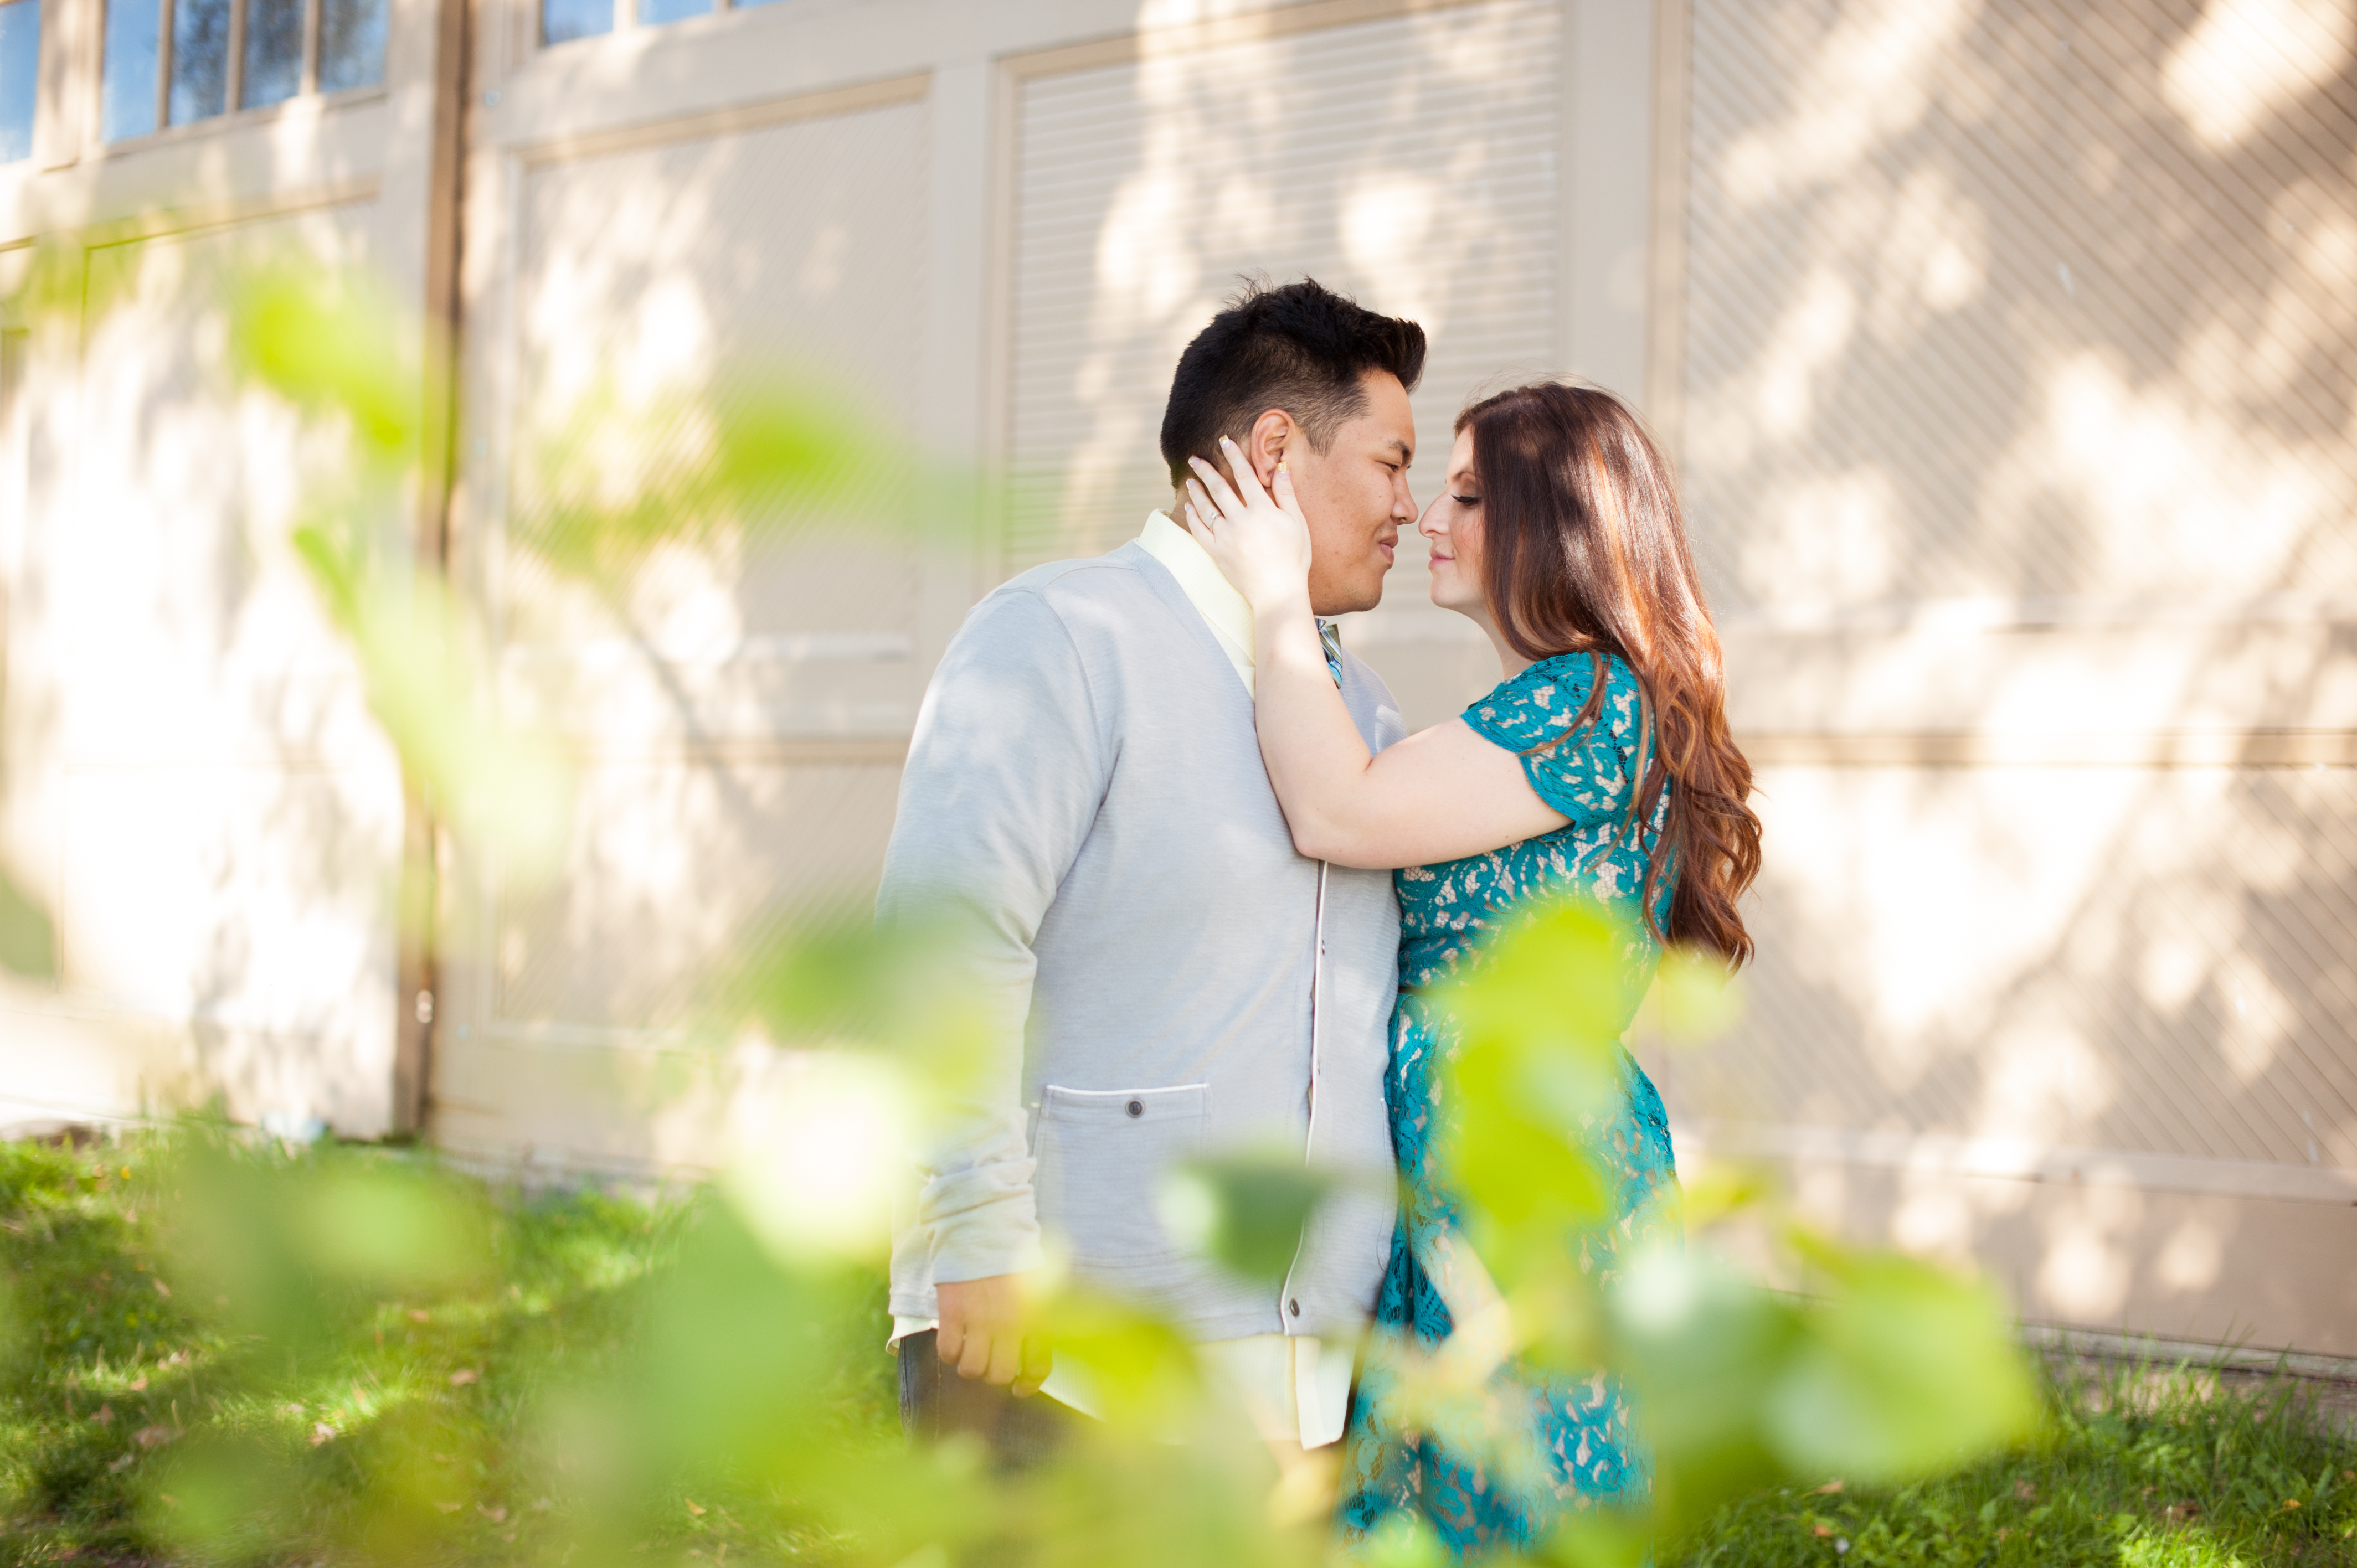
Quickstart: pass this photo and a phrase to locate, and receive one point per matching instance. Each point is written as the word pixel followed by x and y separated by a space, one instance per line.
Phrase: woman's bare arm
pixel 1441 794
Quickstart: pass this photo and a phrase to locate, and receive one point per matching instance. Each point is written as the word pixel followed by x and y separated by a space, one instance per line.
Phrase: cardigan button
pixel 1138 1108
pixel 1294 1307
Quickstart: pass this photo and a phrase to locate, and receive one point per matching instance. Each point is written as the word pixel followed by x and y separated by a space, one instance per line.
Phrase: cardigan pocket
pixel 1102 1155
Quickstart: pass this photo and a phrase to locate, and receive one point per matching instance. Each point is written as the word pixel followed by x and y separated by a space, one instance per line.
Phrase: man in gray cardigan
pixel 1085 805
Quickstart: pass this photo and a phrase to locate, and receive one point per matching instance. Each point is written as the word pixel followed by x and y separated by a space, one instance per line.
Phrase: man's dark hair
pixel 1302 348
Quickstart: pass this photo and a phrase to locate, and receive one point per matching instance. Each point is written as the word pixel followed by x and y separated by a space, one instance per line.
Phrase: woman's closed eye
pixel 1467 501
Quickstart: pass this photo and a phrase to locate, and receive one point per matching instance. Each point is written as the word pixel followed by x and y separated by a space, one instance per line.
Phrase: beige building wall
pixel 995 227
pixel 2018 395
pixel 194 791
pixel 2007 350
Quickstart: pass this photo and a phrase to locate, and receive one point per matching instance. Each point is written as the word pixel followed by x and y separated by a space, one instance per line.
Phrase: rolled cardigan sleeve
pixel 1006 772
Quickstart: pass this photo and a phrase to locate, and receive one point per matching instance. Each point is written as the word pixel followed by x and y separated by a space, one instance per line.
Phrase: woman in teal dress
pixel 1600 768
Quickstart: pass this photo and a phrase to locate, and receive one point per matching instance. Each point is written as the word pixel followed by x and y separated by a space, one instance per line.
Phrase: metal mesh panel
pixel 2157 961
pixel 1411 162
pixel 2043 303
pixel 2020 299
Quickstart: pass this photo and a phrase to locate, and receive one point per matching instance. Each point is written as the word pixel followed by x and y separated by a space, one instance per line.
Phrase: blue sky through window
pixel 20 76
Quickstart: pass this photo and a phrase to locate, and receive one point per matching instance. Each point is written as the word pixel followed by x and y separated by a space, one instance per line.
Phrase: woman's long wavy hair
pixel 1584 550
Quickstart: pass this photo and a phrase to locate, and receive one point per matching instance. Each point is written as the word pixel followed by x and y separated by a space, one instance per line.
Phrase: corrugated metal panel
pixel 1411 162
pixel 2018 317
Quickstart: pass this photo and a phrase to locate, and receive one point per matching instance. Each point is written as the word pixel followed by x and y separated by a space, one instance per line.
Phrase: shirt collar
pixel 1227 612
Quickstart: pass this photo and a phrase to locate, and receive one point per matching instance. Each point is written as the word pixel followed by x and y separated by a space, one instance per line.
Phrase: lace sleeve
pixel 1585 772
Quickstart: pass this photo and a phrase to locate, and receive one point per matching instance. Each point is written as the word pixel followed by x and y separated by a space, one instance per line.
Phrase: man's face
pixel 1355 496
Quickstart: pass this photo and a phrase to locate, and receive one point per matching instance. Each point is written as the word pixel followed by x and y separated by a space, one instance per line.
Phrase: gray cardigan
pixel 1084 804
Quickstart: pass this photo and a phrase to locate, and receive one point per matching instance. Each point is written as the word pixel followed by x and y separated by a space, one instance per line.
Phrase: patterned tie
pixel 1330 636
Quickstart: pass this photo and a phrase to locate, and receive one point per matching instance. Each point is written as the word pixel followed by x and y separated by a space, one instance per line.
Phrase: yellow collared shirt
pixel 1227 612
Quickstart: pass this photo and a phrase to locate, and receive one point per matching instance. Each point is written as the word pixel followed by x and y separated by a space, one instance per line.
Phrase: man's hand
pixel 987 1331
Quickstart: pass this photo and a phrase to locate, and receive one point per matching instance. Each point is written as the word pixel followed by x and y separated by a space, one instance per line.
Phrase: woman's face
pixel 1452 526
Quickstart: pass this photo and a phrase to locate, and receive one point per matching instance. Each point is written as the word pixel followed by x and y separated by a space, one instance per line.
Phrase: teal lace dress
pixel 1573 1447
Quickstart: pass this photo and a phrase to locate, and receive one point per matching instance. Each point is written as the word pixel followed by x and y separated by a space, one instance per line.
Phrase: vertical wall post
pixel 416 964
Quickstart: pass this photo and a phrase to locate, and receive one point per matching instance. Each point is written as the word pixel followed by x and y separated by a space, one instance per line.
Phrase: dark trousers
pixel 935 1402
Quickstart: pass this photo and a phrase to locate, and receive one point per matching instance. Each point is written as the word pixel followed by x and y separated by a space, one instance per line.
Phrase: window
pixel 274 52
pixel 20 76
pixel 351 44
pixel 562 21
pixel 170 62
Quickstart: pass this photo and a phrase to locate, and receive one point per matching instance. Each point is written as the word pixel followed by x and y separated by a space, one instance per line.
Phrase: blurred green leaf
pixel 389 1229
pixel 1557 1317
pixel 1405 1541
pixel 28 945
pixel 848 982
pixel 427 679
pixel 218 1498
pixel 1141 1370
pixel 1603 1538
pixel 1122 1495
pixel 1560 977
pixel 1694 996
pixel 750 453
pixel 1703 1349
pixel 1540 1018
pixel 334 345
pixel 1245 1210
pixel 1514 1151
pixel 297 1247
pixel 1712 1190
pixel 1906 1369
pixel 732 1341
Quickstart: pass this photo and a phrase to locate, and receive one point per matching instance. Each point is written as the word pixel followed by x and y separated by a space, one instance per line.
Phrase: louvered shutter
pixel 1410 162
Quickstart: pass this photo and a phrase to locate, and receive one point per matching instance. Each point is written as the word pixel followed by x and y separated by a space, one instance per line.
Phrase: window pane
pixel 273 52
pixel 200 59
pixel 563 20
pixel 351 44
pixel 652 11
pixel 20 76
pixel 130 85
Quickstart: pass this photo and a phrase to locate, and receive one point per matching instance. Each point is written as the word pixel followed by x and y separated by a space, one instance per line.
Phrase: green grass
pixel 106 1382
pixel 2144 1467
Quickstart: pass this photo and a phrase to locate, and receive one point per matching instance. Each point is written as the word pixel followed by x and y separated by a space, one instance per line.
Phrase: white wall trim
pixel 2020 1160
pixel 2111 1346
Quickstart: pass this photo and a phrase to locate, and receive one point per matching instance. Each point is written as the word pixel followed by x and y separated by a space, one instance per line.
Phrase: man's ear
pixel 1271 434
